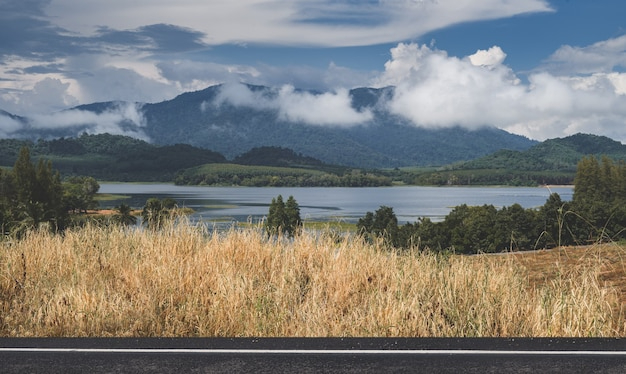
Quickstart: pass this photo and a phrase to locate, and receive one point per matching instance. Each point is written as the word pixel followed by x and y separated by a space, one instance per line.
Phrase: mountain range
pixel 232 119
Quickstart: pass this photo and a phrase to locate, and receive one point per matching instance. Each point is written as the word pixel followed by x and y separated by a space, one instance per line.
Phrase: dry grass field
pixel 185 281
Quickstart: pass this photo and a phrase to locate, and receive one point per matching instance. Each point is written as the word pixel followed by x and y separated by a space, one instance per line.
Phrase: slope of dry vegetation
pixel 184 281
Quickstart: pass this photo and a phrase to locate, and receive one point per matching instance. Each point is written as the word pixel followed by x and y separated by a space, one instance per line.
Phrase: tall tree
pixel 37 194
pixel 292 213
pixel 80 193
pixel 382 224
pixel 283 218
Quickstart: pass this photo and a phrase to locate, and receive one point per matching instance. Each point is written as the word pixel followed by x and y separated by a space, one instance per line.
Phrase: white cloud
pixel 8 126
pixel 491 57
pixel 99 78
pixel 43 96
pixel 126 119
pixel 105 49
pixel 326 109
pixel 437 90
pixel 240 95
pixel 195 75
pixel 289 22
pixel 596 58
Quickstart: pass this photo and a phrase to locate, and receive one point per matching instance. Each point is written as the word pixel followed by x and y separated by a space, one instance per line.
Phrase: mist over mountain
pixel 345 127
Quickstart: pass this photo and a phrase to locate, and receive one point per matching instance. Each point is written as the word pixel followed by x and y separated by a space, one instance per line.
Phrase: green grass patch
pixel 330 225
pixel 110 197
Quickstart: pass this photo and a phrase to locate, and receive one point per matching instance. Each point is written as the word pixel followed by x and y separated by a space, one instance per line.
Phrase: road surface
pixel 312 355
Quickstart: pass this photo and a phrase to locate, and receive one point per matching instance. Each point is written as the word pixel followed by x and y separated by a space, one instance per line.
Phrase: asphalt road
pixel 312 355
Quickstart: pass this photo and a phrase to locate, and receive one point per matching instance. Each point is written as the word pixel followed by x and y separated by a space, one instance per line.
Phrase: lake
pixel 329 203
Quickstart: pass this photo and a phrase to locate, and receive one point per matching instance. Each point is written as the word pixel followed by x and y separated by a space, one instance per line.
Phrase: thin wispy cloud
pixel 123 119
pixel 327 23
pixel 600 57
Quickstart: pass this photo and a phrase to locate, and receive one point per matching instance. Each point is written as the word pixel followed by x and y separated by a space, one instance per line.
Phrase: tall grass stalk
pixel 185 281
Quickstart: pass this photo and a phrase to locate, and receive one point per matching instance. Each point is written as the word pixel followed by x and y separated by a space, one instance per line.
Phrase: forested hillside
pixel 276 156
pixel 119 158
pixel 553 161
pixel 111 157
pixel 233 120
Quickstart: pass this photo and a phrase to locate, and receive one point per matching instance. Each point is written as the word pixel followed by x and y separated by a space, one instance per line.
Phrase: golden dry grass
pixel 184 281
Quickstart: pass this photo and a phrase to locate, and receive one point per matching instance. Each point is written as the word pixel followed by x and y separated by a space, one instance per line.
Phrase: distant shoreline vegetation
pixel 124 159
pixel 271 176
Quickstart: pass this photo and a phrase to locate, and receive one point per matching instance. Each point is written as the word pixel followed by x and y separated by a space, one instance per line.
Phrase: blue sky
pixel 538 68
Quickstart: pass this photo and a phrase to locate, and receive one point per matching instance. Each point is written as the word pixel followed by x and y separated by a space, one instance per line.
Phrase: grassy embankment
pixel 183 281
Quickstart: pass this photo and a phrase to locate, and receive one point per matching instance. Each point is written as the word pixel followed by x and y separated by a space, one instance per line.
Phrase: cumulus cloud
pixel 124 77
pixel 492 57
pixel 123 119
pixel 46 95
pixel 325 109
pixel 437 90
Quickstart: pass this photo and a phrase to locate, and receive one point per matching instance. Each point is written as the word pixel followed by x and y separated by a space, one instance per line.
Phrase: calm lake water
pixel 330 204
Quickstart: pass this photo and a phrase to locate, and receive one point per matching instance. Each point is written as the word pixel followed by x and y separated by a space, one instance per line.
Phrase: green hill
pixel 559 154
pixel 550 162
pixel 111 157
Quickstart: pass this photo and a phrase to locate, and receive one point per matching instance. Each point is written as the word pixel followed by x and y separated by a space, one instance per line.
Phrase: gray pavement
pixel 312 355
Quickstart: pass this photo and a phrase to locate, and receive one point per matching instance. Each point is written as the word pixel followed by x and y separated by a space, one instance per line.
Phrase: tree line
pixel 597 213
pixel 267 176
pixel 32 195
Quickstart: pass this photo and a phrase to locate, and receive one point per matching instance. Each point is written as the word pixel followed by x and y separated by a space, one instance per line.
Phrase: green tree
pixel 24 178
pixel 292 212
pixel 515 228
pixel 7 198
pixel 551 222
pixel 283 218
pixel 471 228
pixel 36 194
pixel 598 200
pixel 381 224
pixel 80 193
pixel 124 216
pixel 49 192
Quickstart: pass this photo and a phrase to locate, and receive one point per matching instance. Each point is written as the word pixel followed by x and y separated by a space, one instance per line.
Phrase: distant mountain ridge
pixel 204 119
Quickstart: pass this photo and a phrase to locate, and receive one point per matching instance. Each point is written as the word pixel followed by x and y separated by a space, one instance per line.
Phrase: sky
pixel 538 68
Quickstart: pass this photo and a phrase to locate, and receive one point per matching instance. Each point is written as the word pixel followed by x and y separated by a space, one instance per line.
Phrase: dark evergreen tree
pixel 292 213
pixel 283 218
